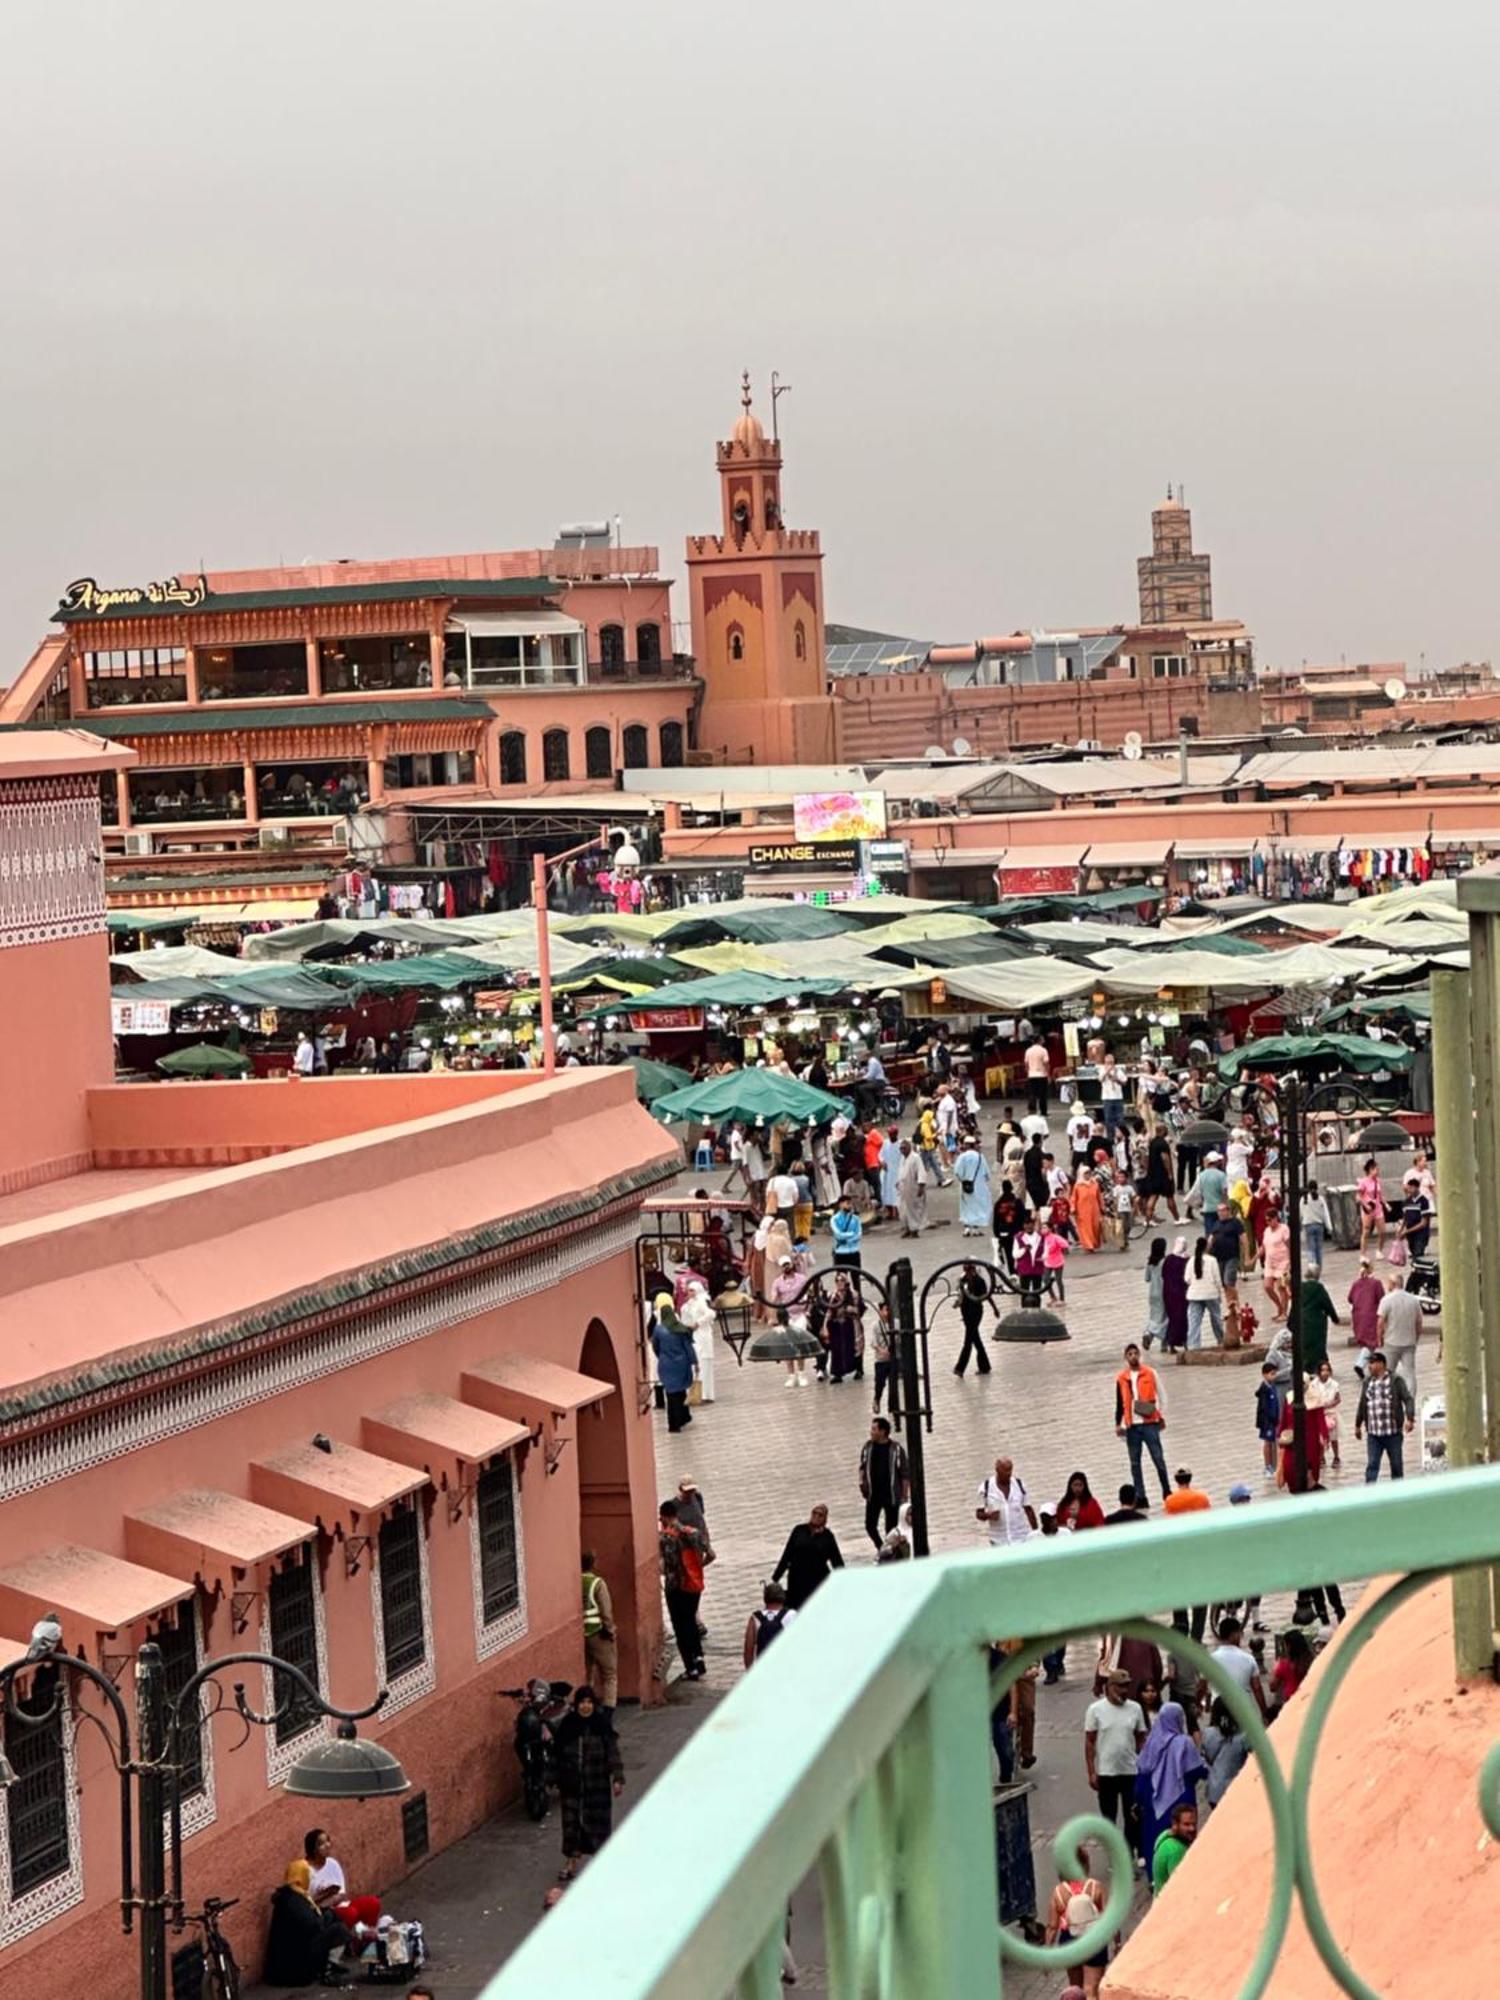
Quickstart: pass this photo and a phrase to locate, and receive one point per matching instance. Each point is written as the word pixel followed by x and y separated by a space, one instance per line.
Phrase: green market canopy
pixel 1332 1052
pixel 730 989
pixel 203 1059
pixel 753 1096
pixel 1378 1006
pixel 654 1080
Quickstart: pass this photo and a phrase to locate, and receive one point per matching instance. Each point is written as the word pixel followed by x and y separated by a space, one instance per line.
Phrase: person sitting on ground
pixel 301 1937
pixel 329 1889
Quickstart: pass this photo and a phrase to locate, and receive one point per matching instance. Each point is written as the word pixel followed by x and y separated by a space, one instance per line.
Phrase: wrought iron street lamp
pixel 151 1756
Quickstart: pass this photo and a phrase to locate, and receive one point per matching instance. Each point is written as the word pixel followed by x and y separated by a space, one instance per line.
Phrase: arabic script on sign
pixel 86 594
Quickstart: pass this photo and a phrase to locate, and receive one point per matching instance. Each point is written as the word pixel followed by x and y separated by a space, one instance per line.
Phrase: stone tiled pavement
pixel 764 1454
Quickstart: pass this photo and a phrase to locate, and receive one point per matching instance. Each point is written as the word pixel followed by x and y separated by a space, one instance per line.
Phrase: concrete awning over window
pixel 211 1534
pixel 521 1386
pixel 441 1434
pixel 510 624
pixel 342 1487
pixel 90 1591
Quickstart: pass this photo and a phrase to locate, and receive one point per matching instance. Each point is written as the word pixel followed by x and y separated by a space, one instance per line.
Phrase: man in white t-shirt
pixel 1005 1506
pixel 1038 1070
pixel 1114 1731
pixel 1400 1317
pixel 1111 1096
pixel 1080 1131
pixel 1034 1126
pixel 1241 1666
pixel 781 1193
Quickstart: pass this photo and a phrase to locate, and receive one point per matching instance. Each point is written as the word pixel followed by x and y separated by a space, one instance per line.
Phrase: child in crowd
pixel 1122 1205
pixel 1268 1416
pixel 1054 1256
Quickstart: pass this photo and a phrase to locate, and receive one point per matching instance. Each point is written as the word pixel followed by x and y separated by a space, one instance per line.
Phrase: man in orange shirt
pixel 1139 1418
pixel 1186 1498
pixel 874 1144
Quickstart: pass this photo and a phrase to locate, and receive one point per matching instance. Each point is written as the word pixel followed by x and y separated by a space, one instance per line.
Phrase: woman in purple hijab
pixel 1167 1776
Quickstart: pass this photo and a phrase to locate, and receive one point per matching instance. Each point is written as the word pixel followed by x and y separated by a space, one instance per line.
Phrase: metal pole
pixel 1463 1346
pixel 1289 1099
pixel 150 1714
pixel 904 1335
pixel 543 960
pixel 1476 896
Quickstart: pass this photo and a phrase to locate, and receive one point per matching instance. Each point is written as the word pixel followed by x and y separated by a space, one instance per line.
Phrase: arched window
pixel 736 642
pixel 671 745
pixel 555 759
pixel 597 761
pixel 648 647
pixel 513 757
pixel 799 640
pixel 611 647
pixel 637 746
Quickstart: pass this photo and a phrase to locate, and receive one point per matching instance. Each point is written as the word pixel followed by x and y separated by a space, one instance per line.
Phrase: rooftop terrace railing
pixel 860 1747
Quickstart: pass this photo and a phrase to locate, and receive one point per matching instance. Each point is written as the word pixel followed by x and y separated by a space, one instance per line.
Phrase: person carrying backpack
pixel 766 1625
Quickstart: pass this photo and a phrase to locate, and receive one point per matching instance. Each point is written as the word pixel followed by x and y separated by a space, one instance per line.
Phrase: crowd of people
pixel 1161 1745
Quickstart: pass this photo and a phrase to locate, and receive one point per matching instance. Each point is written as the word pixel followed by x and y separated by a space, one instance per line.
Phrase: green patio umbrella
pixel 751 1095
pixel 204 1059
pixel 1347 1052
pixel 656 1079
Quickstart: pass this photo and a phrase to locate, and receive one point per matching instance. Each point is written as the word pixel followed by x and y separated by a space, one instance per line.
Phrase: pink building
pixel 347 1371
pixel 267 707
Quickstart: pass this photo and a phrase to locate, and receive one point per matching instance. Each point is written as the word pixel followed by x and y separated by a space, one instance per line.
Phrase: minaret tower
pixel 757 612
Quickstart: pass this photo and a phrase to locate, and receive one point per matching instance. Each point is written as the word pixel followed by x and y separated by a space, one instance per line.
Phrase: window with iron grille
pixel 36 1805
pixel 293 1620
pixel 499 1562
pixel 403 1635
pixel 176 1633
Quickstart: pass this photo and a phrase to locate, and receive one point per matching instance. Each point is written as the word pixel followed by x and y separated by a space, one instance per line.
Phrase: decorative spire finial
pixel 745 391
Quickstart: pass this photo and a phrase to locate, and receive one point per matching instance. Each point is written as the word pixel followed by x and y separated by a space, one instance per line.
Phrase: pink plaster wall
pixel 55 1047
pixel 208 1123
pixel 454 1742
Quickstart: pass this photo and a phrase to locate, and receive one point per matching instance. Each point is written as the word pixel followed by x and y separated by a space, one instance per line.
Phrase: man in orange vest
pixel 1140 1420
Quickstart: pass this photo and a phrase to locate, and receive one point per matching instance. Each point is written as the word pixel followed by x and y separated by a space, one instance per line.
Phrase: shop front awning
pixel 1128 854
pixel 342 1487
pixel 1068 855
pixel 531 1390
pixel 511 624
pixel 1215 847
pixel 212 1535
pixel 91 1592
pixel 440 1434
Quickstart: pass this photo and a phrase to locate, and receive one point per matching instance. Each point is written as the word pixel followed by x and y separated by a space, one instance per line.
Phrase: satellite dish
pixel 1130 750
pixel 1133 741
pixel 1395 690
pixel 934 750
pixel 962 747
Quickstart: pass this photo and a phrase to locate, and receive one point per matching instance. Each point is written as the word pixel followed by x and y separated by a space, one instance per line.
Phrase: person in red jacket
pixel 1078 1508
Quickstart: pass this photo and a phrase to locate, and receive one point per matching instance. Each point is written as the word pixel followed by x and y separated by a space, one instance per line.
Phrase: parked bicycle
pixel 221 1972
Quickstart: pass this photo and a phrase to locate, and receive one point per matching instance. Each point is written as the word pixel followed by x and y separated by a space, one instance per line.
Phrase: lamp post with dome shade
pixel 149 1761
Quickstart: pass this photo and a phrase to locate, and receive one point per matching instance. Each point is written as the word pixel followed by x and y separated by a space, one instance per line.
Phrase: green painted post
pixel 946 1931
pixel 1458 1238
pixel 1479 895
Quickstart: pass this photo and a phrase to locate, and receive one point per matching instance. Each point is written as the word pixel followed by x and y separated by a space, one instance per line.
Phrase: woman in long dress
pixel 1167 1776
pixel 1088 1212
pixel 911 1191
pixel 973 1172
pixel 1174 1296
pixel 890 1167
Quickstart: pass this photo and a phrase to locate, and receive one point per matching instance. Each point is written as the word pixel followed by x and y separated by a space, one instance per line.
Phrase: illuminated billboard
pixel 839 815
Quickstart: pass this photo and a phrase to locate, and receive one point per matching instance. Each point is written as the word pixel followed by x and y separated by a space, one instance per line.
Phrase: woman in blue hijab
pixel 1167 1775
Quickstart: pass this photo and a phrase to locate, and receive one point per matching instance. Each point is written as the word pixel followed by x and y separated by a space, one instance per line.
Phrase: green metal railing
pixel 860 1747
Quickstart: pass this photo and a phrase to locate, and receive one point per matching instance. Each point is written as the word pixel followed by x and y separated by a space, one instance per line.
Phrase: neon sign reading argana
pixel 87 595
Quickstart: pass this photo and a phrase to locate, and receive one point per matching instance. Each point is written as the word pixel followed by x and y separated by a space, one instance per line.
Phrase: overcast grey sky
pixel 318 279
